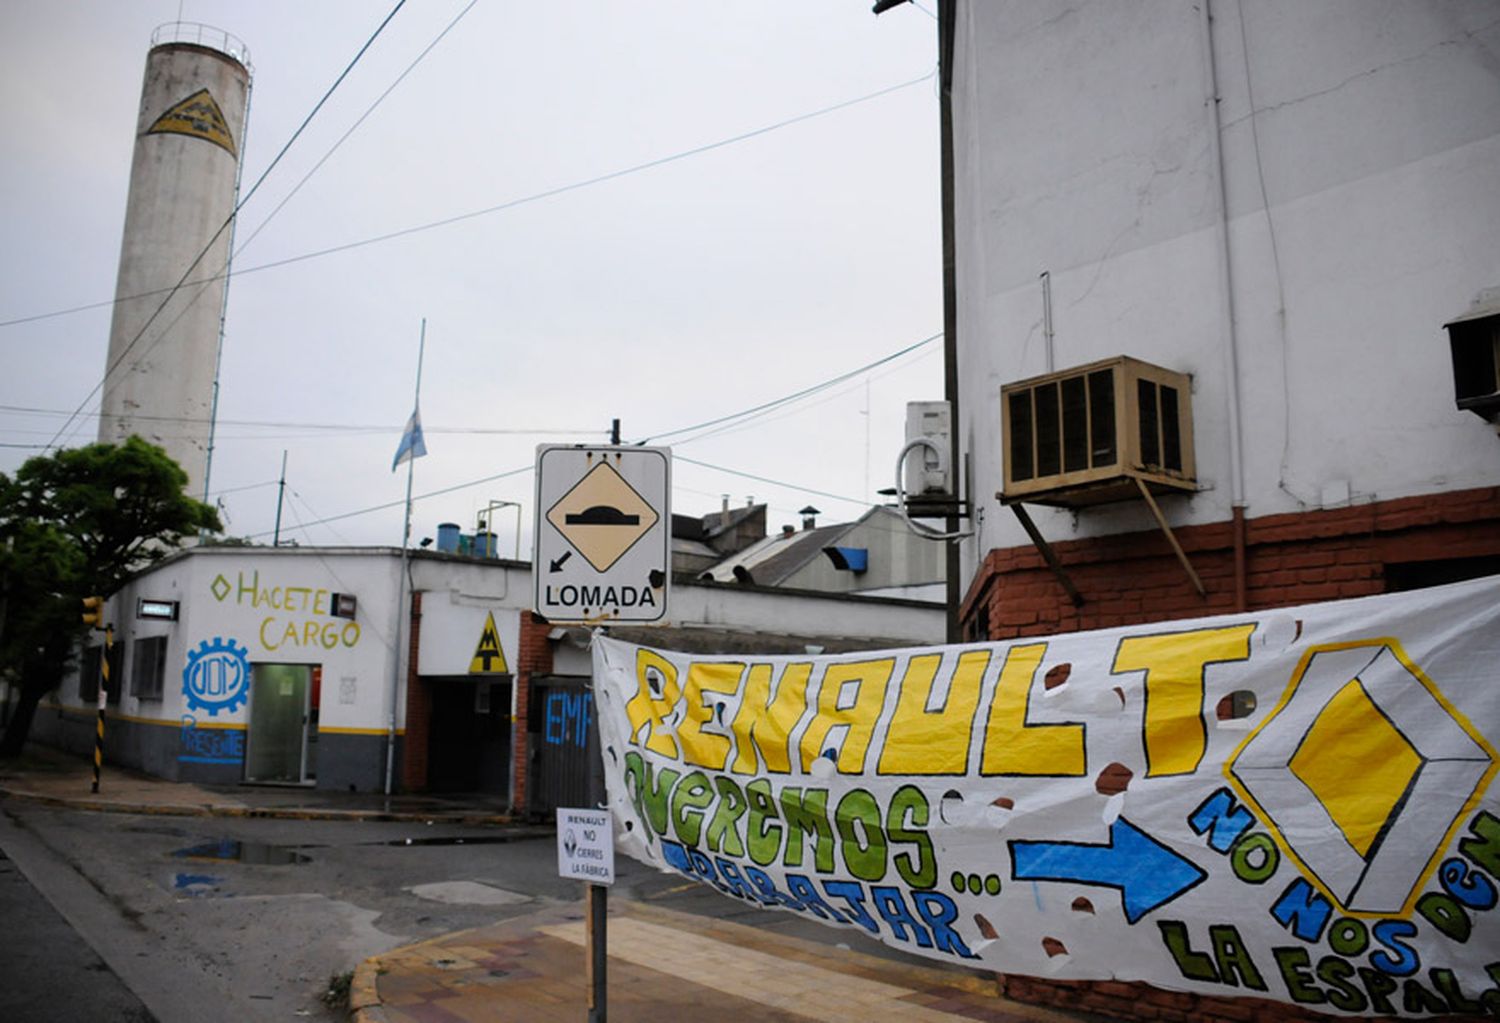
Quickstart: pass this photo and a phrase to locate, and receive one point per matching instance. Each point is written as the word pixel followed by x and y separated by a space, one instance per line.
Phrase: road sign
pixel 585 845
pixel 603 533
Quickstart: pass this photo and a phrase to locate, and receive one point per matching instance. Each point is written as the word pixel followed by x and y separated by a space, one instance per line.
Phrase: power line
pixel 227 221
pixel 497 208
pixel 355 126
pixel 769 406
pixel 759 409
pixel 336 427
pixel 766 479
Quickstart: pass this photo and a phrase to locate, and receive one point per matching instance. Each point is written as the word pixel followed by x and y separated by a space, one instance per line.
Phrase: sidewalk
pixel 665 966
pixel 53 777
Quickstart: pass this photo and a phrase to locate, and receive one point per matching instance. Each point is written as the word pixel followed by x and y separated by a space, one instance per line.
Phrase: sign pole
pixel 598 896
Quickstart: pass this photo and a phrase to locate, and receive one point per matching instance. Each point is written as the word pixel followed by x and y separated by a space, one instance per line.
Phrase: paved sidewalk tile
pixel 666 966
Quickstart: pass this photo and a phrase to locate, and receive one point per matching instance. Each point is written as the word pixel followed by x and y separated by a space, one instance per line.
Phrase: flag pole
pixel 402 616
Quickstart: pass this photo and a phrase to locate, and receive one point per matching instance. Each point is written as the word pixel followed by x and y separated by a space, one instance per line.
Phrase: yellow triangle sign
pixel 198 116
pixel 489 659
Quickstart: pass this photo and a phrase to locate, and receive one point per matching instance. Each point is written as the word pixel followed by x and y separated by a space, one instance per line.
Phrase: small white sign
pixel 585 845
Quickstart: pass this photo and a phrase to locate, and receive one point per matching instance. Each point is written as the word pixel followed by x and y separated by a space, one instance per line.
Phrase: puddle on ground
pixel 196 884
pixel 229 850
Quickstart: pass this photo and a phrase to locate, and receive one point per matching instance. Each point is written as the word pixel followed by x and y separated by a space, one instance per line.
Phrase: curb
pixel 258 812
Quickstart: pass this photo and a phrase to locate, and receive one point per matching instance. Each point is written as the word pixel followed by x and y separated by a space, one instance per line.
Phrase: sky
pixel 745 271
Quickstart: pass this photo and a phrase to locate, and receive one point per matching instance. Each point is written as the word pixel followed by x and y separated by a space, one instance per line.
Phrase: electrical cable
pixel 499 207
pixel 805 392
pixel 355 126
pixel 183 280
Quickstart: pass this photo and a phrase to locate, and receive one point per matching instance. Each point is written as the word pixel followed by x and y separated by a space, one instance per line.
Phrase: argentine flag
pixel 412 445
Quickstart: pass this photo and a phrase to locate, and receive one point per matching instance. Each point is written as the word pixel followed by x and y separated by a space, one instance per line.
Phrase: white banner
pixel 1291 804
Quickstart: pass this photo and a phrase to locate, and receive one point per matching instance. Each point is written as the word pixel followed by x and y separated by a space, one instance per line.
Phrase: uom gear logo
pixel 217 676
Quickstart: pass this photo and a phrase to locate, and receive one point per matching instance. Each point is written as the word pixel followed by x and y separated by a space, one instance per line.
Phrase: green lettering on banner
pixel 1482 845
pixel 1247 849
pixel 908 803
pixel 1378 985
pixel 1234 958
pixel 1294 964
pixel 689 800
pixel 763 831
pixel 1343 994
pixel 861 838
pixel 1191 964
pixel 723 830
pixel 806 813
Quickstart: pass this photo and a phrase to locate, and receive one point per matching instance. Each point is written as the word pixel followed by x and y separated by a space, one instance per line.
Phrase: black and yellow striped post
pixel 109 641
pixel 93 617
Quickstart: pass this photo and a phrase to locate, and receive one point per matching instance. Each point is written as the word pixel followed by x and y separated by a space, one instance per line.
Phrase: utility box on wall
pixel 1085 435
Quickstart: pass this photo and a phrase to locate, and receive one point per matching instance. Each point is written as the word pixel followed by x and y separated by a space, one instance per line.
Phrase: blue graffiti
pixel 567 716
pixel 1147 873
pixel 210 745
pixel 217 676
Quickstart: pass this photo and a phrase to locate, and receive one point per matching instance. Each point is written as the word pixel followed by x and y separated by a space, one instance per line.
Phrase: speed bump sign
pixel 604 533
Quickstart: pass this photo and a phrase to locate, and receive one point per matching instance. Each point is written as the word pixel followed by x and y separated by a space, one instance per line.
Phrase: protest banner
pixel 1291 804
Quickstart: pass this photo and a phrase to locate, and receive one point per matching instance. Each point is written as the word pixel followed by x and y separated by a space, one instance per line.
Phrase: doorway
pixel 468 745
pixel 282 702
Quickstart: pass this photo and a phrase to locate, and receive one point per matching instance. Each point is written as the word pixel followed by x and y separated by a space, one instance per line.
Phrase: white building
pixel 1284 202
pixel 291 666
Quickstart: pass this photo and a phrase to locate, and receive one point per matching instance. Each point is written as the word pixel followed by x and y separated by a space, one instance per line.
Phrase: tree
pixel 73 524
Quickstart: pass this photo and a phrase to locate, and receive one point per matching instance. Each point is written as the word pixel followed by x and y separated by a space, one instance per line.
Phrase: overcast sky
pixel 666 297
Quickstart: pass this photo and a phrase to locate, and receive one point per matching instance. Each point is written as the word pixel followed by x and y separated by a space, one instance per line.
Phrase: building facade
pixel 1283 203
pixel 304 666
pixel 1274 211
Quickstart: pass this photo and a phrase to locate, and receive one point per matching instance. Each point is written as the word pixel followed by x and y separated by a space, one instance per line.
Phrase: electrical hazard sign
pixel 489 656
pixel 603 533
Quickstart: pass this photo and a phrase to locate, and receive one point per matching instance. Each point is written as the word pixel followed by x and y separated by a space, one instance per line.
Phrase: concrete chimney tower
pixel 161 376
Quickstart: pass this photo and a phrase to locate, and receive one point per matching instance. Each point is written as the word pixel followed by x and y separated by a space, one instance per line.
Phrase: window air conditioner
pixel 1085 435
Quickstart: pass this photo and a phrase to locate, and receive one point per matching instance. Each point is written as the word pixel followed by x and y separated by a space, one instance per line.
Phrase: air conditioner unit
pixel 1085 435
pixel 1474 341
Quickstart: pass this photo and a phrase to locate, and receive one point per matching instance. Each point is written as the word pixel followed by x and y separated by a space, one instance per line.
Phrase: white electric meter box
pixel 926 466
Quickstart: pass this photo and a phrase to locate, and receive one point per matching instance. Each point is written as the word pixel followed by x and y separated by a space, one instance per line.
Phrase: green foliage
pixel 72 524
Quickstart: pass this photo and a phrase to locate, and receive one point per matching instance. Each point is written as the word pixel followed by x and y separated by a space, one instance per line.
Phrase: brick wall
pixel 1134 578
pixel 418 710
pixel 1296 558
pixel 532 659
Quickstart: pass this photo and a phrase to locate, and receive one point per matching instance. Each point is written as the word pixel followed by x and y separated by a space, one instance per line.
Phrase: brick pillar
pixel 418 710
pixel 533 658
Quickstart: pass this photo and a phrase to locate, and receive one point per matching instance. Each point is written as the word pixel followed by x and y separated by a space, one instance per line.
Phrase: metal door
pixel 564 737
pixel 276 747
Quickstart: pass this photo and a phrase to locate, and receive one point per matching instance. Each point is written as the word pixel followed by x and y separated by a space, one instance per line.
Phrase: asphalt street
pixel 49 972
pixel 250 918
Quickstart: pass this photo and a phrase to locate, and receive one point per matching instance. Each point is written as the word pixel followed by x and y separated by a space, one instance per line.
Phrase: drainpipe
pixel 947 19
pixel 1227 324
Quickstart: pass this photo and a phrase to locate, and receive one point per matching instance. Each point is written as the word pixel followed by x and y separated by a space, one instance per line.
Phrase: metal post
pixel 598 894
pixel 109 641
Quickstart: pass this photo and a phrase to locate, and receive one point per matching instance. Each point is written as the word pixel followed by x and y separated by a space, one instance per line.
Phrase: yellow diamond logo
pixel 1362 772
pixel 1351 731
pixel 602 517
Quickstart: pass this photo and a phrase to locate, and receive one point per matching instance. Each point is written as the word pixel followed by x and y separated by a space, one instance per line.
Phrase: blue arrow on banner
pixel 1147 873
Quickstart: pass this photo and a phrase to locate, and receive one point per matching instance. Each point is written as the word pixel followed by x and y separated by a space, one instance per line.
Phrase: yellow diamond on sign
pixel 602 516
pixel 1351 732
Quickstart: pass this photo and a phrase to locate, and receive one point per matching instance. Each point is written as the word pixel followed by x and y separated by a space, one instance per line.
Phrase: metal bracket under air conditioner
pixel 1055 565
